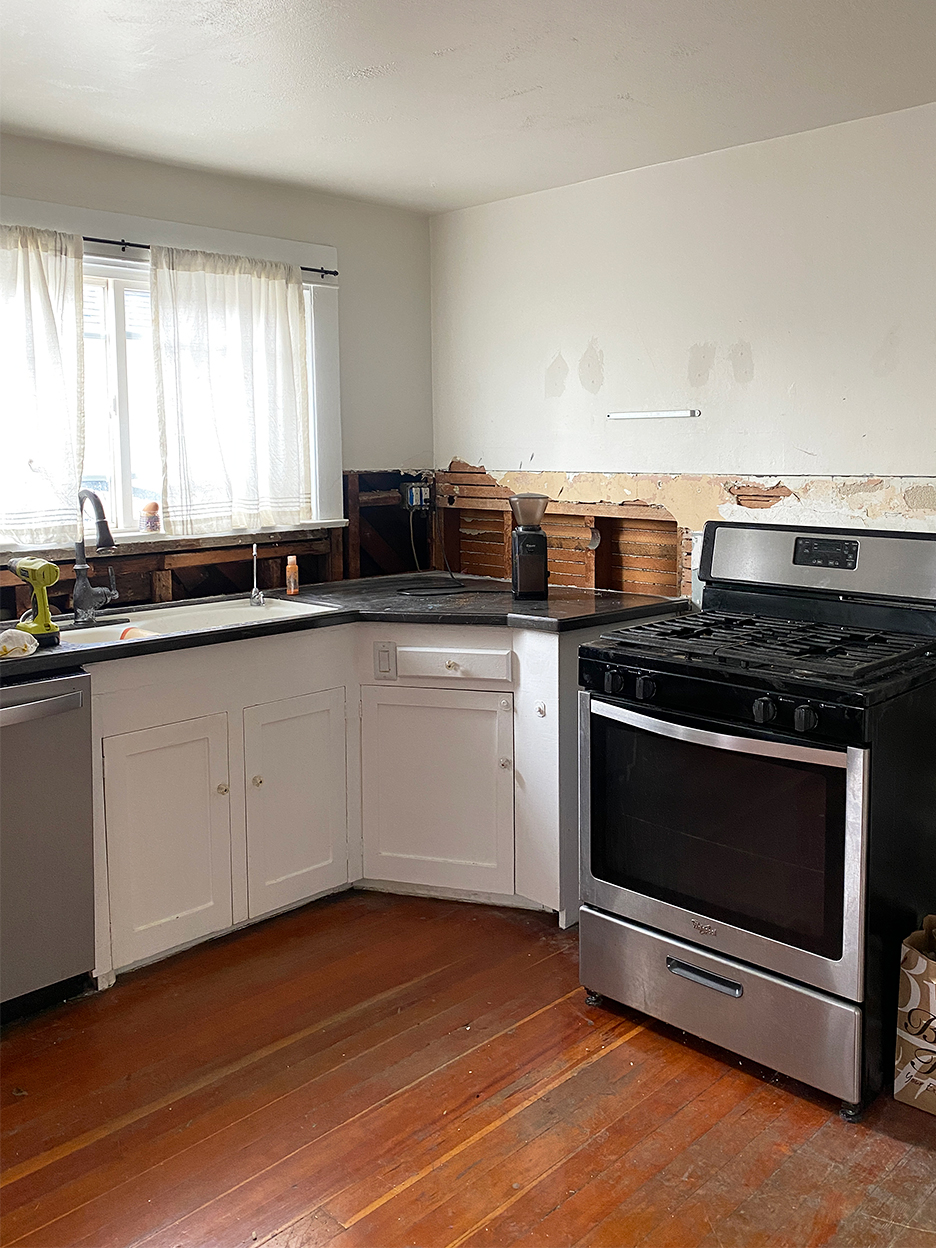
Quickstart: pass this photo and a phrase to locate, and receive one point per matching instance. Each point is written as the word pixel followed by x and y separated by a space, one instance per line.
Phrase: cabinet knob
pixel 505 762
pixel 257 781
pixel 505 704
pixel 224 789
pixel 450 665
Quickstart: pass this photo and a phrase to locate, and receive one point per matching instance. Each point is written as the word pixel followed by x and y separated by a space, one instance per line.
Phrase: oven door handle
pixel 720 740
pixel 708 979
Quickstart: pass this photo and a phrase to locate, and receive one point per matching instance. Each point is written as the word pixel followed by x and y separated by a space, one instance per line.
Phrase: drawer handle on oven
pixel 706 978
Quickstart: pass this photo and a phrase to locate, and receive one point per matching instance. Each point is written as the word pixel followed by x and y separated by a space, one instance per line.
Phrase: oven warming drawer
pixel 798 1031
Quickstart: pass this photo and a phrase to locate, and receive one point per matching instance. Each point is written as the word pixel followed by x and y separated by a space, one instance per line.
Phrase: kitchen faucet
pixel 87 599
pixel 256 597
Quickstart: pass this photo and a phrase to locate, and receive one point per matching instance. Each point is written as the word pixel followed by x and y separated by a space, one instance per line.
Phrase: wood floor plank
pixel 428 994
pixel 443 1090
pixel 145 1064
pixel 658 1200
pixel 534 1122
pixel 560 1120
pixel 336 1084
pixel 567 1202
pixel 897 1201
pixel 339 1094
pixel 814 1190
pixel 375 1071
pixel 742 1175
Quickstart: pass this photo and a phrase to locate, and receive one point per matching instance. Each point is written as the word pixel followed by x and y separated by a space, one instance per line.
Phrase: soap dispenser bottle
pixel 292 575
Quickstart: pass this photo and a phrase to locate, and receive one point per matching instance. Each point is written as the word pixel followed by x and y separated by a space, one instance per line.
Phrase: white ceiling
pixel 439 104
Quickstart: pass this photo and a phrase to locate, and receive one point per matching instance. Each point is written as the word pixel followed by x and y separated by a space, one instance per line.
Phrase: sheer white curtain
pixel 42 370
pixel 232 391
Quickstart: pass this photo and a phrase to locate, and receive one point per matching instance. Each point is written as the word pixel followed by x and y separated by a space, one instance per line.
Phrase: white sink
pixel 195 618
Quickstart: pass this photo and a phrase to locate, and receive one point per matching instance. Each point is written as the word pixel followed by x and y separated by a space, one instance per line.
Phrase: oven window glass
pixel 753 841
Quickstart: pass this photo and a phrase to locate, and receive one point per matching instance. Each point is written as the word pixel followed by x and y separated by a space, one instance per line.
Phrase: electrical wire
pixel 425 591
pixel 412 542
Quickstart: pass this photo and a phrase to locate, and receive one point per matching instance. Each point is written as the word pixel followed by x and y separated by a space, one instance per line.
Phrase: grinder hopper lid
pixel 528 509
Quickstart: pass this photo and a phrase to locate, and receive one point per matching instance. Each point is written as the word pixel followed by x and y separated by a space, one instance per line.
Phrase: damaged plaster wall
pixel 784 288
pixel 850 502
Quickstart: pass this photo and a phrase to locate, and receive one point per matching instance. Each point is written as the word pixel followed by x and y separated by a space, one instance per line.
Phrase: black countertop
pixel 376 600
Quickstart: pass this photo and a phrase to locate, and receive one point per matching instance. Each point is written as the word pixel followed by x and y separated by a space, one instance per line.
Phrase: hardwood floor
pixel 373 1071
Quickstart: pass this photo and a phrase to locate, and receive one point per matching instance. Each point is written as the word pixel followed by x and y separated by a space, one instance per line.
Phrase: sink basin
pixel 195 618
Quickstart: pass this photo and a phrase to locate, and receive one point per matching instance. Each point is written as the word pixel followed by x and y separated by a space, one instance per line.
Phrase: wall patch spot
pixel 742 362
pixel 701 359
pixel 921 497
pixel 887 356
pixel 556 376
pixel 591 368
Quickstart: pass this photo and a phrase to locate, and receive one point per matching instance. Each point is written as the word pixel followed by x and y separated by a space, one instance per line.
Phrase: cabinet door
pixel 438 788
pixel 297 825
pixel 168 817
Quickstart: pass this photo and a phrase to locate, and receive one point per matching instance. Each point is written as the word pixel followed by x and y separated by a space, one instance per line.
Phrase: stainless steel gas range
pixel 758 800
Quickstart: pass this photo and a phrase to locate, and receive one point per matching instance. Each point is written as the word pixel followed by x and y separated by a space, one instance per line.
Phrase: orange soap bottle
pixel 292 575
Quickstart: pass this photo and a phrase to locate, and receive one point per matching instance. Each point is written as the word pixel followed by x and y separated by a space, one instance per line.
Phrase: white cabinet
pixel 438 787
pixel 168 811
pixel 220 789
pixel 297 842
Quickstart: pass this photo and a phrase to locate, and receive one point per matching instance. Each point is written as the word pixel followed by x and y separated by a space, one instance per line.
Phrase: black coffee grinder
pixel 529 572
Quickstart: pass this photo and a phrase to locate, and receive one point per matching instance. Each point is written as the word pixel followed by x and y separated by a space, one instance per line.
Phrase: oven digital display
pixel 826 552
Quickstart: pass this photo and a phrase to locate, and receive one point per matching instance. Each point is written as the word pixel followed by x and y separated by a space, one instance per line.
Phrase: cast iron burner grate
pixel 791 645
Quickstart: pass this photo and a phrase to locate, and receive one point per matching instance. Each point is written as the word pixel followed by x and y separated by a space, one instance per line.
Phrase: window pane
pixel 99 452
pixel 141 395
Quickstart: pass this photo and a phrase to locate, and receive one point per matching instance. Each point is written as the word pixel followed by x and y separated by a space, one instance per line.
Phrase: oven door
pixel 749 846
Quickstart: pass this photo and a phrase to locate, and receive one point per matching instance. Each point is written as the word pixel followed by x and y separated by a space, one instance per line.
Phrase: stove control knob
pixel 805 719
pixel 614 682
pixel 765 709
pixel 645 689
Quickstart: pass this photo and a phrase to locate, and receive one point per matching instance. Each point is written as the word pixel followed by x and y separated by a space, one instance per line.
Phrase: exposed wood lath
pixel 634 547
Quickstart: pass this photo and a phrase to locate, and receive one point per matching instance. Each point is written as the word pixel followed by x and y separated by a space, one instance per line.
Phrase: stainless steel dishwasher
pixel 46 848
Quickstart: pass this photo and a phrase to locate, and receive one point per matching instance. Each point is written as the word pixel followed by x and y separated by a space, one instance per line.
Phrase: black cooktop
pixel 811 648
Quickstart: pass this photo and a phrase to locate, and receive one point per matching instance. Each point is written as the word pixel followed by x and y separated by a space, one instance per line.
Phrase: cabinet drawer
pixel 447 664
pixel 796 1030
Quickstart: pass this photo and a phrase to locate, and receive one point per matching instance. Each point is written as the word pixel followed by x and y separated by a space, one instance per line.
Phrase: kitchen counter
pixel 483 601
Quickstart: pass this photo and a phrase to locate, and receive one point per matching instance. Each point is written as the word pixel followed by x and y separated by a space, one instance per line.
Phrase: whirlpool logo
pixel 707 929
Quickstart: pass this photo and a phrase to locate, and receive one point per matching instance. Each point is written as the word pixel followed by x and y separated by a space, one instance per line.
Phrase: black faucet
pixel 87 598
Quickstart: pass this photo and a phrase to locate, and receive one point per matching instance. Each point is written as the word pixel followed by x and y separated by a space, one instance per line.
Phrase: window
pixel 203 381
pixel 122 461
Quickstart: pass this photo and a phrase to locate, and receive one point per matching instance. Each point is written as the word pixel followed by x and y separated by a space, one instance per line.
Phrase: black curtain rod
pixel 123 245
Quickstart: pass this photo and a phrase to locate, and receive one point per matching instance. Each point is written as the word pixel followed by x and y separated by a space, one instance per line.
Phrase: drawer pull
pixel 451 665
pixel 730 987
pixel 224 789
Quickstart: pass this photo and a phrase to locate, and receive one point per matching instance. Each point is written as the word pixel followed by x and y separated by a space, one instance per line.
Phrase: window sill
pixel 131 543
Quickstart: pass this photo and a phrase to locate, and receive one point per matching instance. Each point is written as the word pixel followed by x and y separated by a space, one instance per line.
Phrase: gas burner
pixel 747 641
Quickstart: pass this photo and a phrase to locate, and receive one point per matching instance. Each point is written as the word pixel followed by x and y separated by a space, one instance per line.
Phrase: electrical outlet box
pixel 415 496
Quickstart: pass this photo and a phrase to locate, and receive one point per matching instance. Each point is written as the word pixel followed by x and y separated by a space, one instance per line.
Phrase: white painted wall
pixel 383 257
pixel 786 288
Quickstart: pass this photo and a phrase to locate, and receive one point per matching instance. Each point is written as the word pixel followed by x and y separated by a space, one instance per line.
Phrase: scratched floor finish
pixel 377 1071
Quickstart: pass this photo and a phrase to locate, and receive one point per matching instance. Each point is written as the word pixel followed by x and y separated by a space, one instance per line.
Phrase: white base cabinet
pixel 438 787
pixel 168 811
pixel 235 780
pixel 297 844
pixel 221 784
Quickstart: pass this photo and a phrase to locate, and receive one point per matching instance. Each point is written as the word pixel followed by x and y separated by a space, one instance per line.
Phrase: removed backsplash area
pixel 850 502
pixel 644 523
